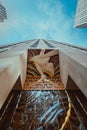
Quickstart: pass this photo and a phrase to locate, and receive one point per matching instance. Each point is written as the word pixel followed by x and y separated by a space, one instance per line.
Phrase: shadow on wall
pixel 18 84
pixel 17 87
pixel 71 85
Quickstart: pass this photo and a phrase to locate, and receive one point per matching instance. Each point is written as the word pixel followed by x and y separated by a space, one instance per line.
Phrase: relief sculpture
pixel 43 65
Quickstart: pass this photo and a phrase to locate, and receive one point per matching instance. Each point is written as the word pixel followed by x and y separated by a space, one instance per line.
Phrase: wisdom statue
pixel 42 63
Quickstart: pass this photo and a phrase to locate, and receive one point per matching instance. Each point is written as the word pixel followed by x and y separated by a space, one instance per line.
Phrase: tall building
pixel 3 14
pixel 81 14
pixel 43 85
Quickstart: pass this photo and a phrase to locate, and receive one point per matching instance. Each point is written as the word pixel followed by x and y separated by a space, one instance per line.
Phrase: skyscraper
pixel 81 14
pixel 43 85
pixel 3 14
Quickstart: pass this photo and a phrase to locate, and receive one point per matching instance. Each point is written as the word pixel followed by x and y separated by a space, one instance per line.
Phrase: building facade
pixel 81 14
pixel 3 14
pixel 43 85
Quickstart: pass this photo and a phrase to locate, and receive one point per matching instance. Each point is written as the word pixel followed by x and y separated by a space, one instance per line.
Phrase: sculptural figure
pixel 42 63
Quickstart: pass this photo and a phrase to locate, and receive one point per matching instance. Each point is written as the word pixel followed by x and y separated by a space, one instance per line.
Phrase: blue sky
pixel 48 19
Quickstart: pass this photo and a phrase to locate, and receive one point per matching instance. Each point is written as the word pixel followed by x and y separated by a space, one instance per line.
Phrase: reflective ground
pixel 45 110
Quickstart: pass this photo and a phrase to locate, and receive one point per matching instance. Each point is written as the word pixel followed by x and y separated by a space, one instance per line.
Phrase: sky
pixel 44 19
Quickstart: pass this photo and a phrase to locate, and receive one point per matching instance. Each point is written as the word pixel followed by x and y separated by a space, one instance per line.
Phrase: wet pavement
pixel 44 110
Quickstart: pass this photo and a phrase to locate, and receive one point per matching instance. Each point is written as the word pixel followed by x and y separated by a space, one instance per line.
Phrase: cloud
pixel 47 20
pixel 59 24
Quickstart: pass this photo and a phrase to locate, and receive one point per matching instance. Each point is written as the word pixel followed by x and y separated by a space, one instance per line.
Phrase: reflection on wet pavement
pixel 44 110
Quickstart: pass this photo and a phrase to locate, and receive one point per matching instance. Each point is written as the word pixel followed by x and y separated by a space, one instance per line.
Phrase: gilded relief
pixel 43 63
pixel 43 70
